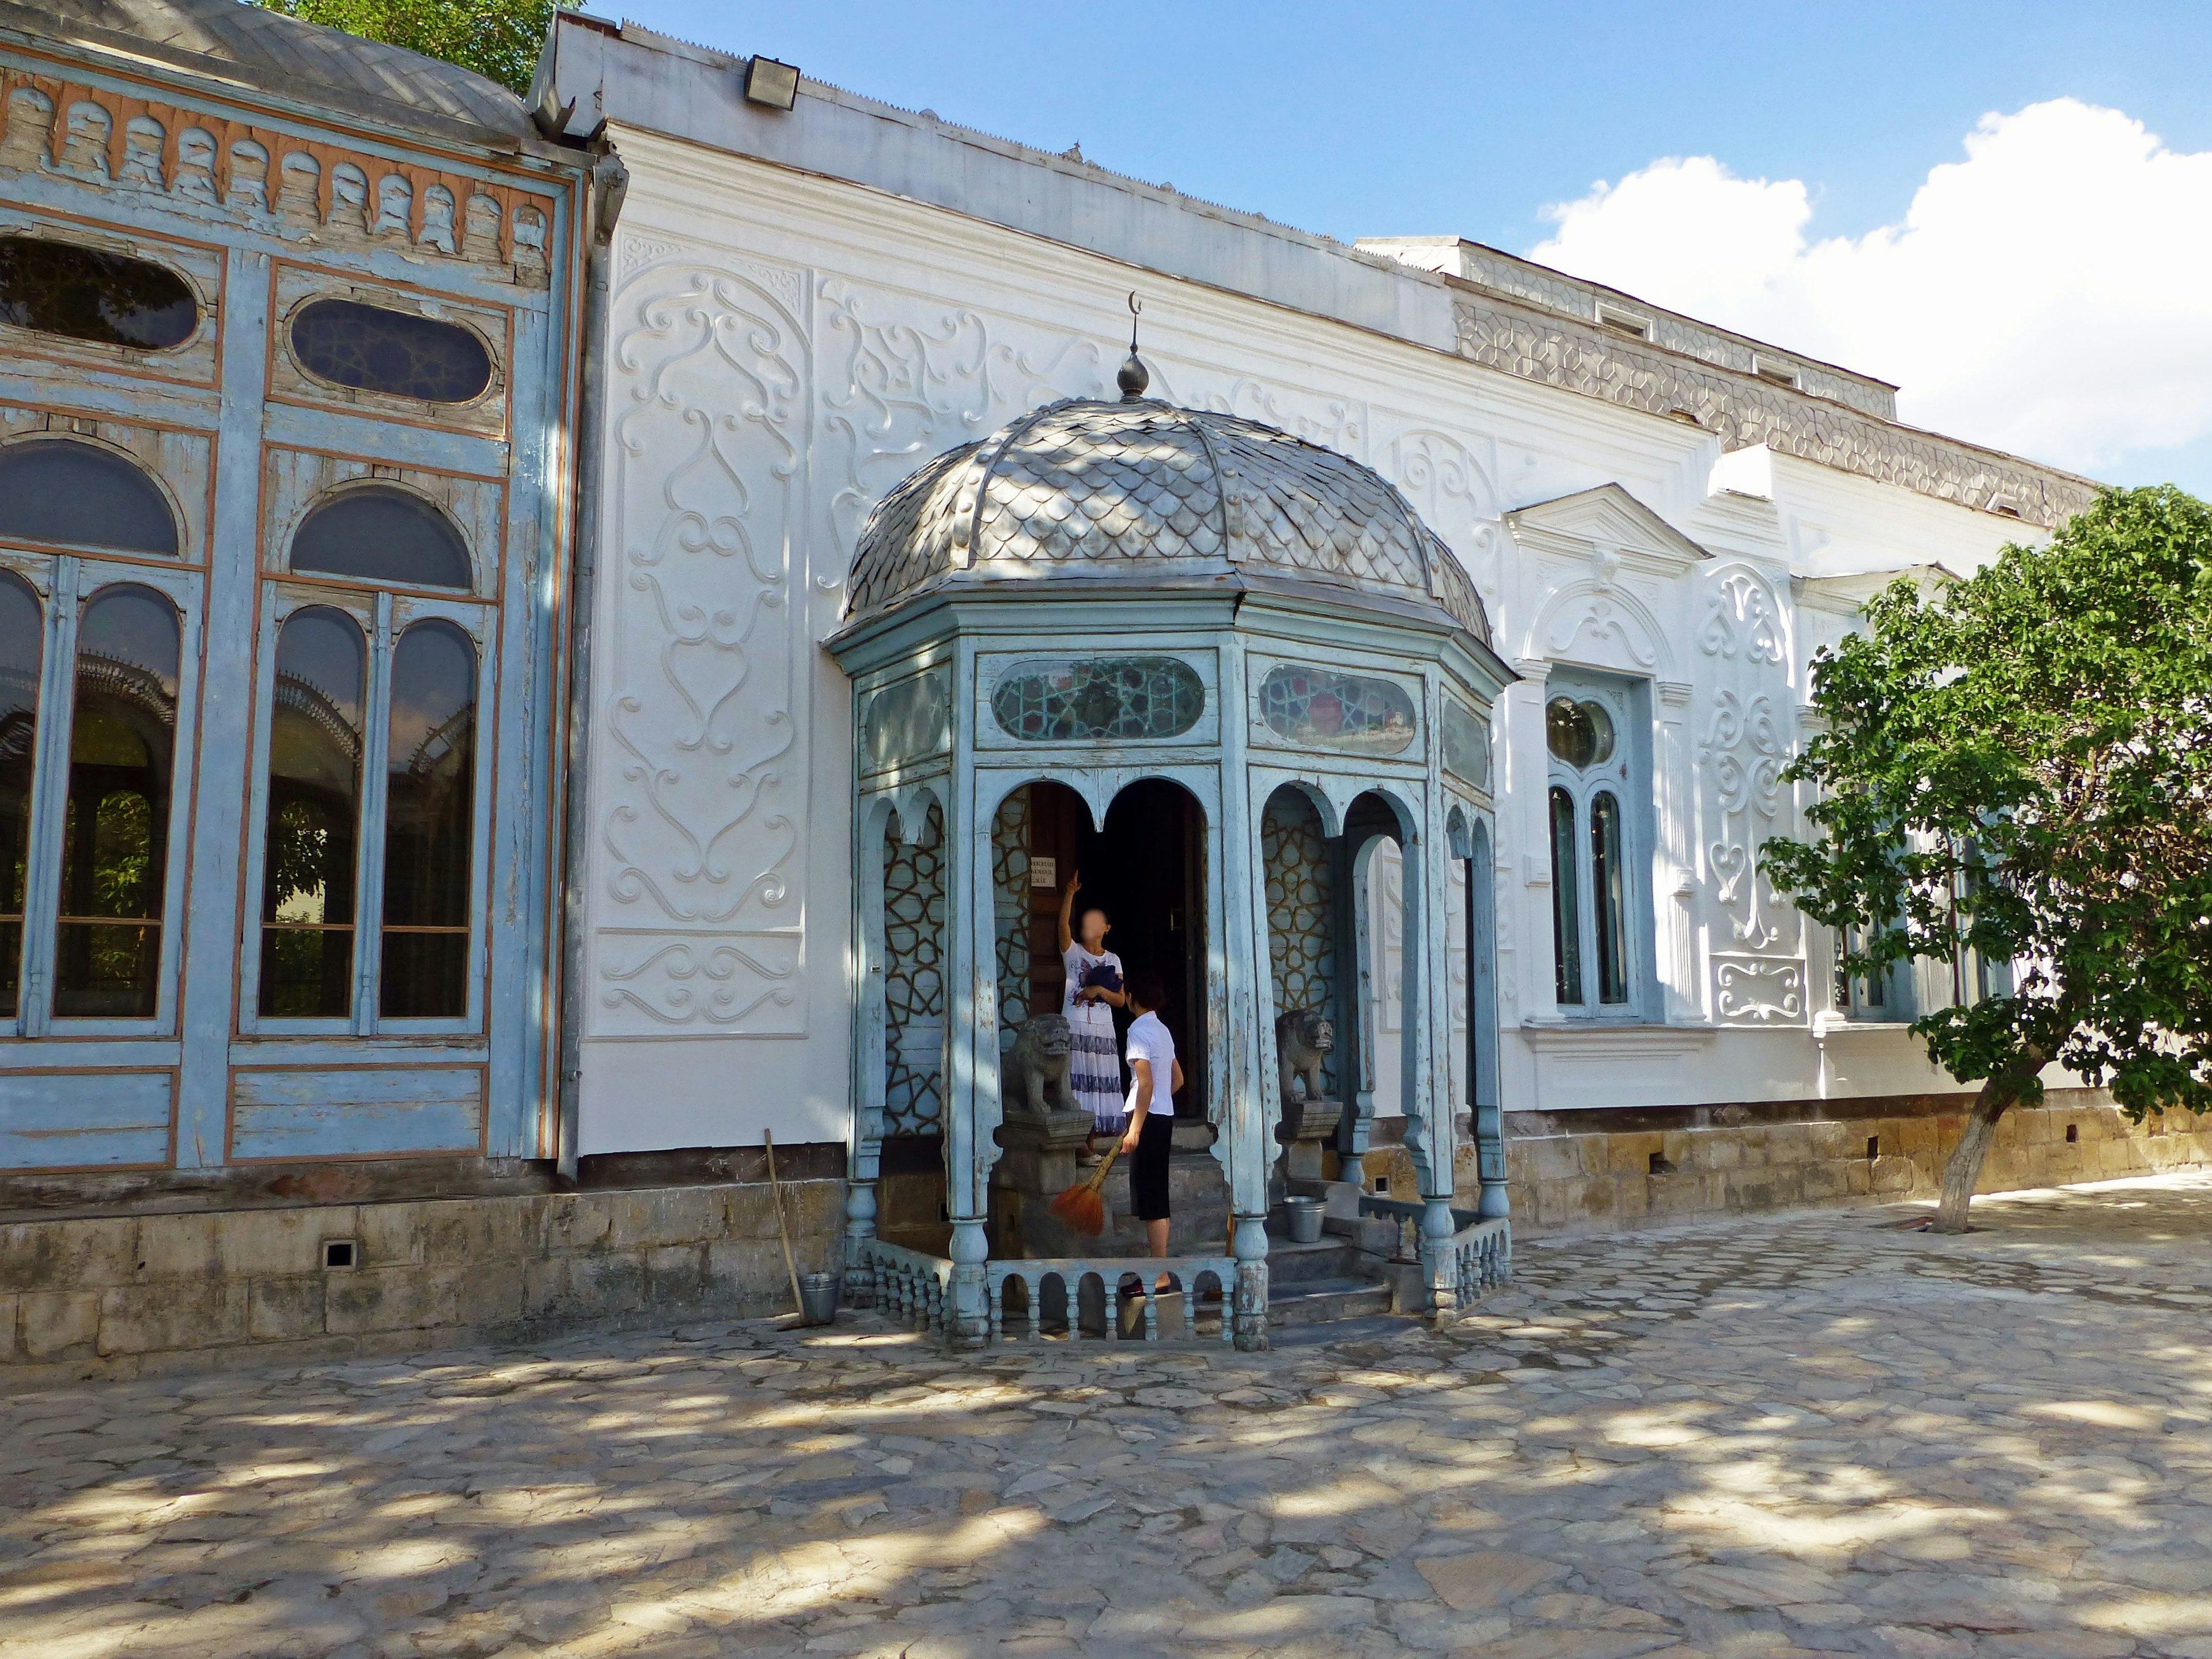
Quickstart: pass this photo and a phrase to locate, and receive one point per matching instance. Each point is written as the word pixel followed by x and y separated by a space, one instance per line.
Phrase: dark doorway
pixel 1148 869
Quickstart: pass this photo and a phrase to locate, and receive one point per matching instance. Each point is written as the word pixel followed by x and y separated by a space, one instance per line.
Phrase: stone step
pixel 1315 1301
pixel 1290 1263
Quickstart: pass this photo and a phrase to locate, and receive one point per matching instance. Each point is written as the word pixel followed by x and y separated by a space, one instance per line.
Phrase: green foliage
pixel 497 38
pixel 2021 765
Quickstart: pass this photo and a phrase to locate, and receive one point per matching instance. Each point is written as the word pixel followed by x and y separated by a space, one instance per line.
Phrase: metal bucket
pixel 818 1298
pixel 1303 1215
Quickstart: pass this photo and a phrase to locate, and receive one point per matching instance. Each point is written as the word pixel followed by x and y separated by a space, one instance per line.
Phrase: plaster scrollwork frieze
pixel 902 382
pixel 1754 990
pixel 700 851
pixel 1452 492
pixel 1744 745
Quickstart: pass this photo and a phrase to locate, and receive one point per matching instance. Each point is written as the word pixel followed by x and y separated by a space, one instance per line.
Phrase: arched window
pixel 22 646
pixel 84 294
pixel 115 839
pixel 380 534
pixel 1596 765
pixel 314 816
pixel 1567 906
pixel 430 818
pixel 59 489
pixel 1608 899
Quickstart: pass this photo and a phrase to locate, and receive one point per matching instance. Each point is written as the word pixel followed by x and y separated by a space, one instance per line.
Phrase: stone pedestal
pixel 1306 1130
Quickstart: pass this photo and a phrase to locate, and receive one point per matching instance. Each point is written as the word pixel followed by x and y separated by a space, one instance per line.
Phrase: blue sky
pixel 1474 119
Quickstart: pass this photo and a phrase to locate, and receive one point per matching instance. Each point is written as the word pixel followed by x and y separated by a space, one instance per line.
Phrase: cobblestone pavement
pixel 1810 1433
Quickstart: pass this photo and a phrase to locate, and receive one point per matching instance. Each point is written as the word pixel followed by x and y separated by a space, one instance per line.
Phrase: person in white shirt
pixel 1150 1133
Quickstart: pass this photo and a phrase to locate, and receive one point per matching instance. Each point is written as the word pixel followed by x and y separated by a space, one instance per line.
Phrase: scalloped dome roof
pixel 1088 488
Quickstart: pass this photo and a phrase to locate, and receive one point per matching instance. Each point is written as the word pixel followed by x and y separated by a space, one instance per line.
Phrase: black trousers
pixel 1148 1167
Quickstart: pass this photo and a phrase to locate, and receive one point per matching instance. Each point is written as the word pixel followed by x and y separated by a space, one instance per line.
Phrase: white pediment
pixel 1607 524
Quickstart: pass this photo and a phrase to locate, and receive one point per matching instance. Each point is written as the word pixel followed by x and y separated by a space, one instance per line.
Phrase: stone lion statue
pixel 1304 1037
pixel 1036 1068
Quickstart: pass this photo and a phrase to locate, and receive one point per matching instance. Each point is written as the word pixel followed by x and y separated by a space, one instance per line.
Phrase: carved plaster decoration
pixel 1741 410
pixel 1743 619
pixel 1451 490
pixel 701 851
pixel 1744 743
pixel 1336 423
pixel 897 387
pixel 108 139
pixel 1600 627
pixel 1749 990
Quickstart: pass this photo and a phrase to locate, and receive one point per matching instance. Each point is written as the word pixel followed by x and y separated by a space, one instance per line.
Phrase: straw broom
pixel 1080 1207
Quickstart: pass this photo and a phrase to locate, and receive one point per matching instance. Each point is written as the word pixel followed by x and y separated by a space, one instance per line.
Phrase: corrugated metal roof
pixel 282 52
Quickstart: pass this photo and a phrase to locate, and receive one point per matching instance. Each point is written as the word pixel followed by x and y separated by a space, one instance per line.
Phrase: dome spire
pixel 1135 376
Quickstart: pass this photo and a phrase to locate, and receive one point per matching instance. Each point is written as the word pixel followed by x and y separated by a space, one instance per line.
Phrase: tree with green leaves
pixel 497 38
pixel 2015 770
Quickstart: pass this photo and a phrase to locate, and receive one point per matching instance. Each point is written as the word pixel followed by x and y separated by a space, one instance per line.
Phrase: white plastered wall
pixel 785 349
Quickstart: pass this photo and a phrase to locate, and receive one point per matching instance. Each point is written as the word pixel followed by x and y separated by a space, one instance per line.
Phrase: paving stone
pixel 1776 1436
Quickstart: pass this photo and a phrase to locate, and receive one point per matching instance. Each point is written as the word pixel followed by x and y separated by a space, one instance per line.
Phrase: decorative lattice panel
pixel 1009 910
pixel 1301 911
pixel 914 980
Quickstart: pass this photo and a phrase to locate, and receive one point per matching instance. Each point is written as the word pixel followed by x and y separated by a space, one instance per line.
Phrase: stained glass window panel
pixel 1325 708
pixel 1100 698
pixel 376 349
pixel 1466 745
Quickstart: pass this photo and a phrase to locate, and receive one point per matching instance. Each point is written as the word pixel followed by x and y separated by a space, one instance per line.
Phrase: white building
pixel 1664 522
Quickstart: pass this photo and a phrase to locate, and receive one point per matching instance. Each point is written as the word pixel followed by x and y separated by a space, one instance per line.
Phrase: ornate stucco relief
pixel 1743 410
pixel 701 861
pixel 1744 729
pixel 902 382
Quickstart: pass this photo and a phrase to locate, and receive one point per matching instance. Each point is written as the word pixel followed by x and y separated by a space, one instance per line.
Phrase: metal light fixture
pixel 771 84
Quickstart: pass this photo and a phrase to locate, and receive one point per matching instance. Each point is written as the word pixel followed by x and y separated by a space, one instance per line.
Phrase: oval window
pixel 1320 708
pixel 400 353
pixel 1110 697
pixel 1579 734
pixel 58 288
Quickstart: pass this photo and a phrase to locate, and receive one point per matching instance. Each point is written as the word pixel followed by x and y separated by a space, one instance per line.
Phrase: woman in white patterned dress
pixel 1094 991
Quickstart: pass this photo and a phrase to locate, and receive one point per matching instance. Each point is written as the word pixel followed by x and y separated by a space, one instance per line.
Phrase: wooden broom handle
pixel 1098 1180
pixel 782 1229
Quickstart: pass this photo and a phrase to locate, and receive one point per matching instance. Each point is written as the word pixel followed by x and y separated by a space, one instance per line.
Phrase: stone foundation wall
pixel 91 1294
pixel 1566 1180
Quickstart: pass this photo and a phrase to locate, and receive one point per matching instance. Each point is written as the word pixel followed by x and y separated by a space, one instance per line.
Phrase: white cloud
pixel 2050 294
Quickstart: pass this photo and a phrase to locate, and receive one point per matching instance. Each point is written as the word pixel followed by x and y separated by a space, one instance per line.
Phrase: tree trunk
pixel 1965 1169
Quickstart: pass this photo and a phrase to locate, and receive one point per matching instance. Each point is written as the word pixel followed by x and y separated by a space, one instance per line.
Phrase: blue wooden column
pixel 971 1012
pixel 1427 1053
pixel 1250 1103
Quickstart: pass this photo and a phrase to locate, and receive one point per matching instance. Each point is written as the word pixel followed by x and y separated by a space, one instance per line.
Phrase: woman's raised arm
pixel 1067 910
